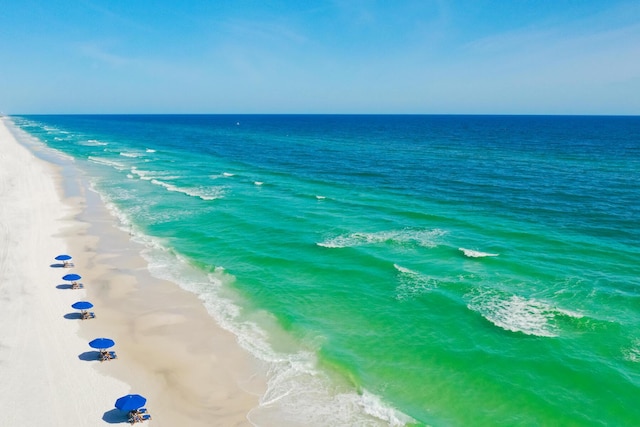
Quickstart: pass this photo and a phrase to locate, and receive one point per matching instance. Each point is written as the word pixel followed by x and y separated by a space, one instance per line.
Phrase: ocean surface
pixel 394 270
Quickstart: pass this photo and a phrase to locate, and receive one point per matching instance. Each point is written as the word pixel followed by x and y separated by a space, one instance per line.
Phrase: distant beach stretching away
pixel 169 349
pixel 319 270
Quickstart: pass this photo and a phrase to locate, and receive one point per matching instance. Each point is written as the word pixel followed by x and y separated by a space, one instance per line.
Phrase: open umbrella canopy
pixel 130 402
pixel 63 257
pixel 82 305
pixel 71 277
pixel 101 343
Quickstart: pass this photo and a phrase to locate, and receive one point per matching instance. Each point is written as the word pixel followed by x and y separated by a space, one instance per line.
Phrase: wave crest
pixel 632 354
pixel 426 238
pixel 476 254
pixel 518 314
pixel 92 143
pixel 412 283
pixel 130 154
pixel 293 379
pixel 107 162
pixel 148 175
pixel 205 193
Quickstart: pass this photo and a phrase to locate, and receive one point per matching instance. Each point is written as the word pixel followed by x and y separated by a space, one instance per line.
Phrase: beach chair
pixel 88 315
pixel 104 356
pixel 112 355
pixel 138 417
pixel 76 285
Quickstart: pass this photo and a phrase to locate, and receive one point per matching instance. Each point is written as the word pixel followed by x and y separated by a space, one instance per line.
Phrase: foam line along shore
pixel 169 349
pixel 384 266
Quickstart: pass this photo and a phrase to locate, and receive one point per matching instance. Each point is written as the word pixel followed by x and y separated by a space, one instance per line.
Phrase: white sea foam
pixel 107 162
pixel 291 389
pixel 320 197
pixel 426 238
pixel 123 221
pixel 570 313
pixel 632 354
pixel 149 150
pixel 293 378
pixel 476 254
pixel 258 182
pixel 205 193
pixel 148 175
pixel 93 143
pixel 130 154
pixel 29 139
pixel 412 283
pixel 515 313
pixel 294 381
pixel 222 175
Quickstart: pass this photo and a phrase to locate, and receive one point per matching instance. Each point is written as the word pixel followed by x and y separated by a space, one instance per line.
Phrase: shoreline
pixel 169 348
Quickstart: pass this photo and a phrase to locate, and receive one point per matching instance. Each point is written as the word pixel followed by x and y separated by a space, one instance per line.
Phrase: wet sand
pixel 169 348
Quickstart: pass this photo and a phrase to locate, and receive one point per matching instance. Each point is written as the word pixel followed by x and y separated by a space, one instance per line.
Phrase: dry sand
pixel 170 350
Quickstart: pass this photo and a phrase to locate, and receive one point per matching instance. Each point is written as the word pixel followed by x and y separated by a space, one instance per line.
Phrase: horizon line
pixel 322 114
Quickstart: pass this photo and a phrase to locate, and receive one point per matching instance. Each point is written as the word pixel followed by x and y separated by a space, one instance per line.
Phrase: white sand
pixel 169 349
pixel 43 381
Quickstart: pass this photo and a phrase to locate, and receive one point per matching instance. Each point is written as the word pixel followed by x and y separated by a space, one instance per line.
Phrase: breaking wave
pixel 632 354
pixel 412 283
pixel 130 154
pixel 476 254
pixel 426 238
pixel 148 175
pixel 518 314
pixel 222 175
pixel 93 143
pixel 205 193
pixel 107 162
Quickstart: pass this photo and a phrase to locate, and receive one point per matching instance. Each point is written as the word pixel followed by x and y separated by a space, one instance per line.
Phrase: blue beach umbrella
pixel 82 305
pixel 101 343
pixel 71 277
pixel 130 402
pixel 63 258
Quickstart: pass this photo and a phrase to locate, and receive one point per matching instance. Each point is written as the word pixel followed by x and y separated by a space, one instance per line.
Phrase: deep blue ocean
pixel 394 270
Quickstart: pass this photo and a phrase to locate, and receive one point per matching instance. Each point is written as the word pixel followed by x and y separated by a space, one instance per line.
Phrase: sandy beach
pixel 170 350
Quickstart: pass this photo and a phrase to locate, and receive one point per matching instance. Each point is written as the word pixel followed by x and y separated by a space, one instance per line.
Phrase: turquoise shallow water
pixel 392 270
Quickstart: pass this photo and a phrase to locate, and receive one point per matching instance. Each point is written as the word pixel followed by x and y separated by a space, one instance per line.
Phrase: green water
pixel 331 246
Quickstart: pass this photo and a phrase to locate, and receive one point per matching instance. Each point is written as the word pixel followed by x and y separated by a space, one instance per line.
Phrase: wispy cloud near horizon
pixel 455 56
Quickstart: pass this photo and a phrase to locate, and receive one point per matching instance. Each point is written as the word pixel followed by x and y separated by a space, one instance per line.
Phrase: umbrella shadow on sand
pixel 65 286
pixel 115 416
pixel 57 265
pixel 89 356
pixel 73 316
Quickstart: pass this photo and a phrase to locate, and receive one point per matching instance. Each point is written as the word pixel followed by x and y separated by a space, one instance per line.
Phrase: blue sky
pixel 358 56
